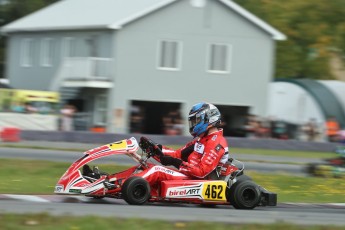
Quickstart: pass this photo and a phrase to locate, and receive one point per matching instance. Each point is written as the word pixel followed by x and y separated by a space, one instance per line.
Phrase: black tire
pixel 244 195
pixel 136 190
pixel 243 178
pixel 310 168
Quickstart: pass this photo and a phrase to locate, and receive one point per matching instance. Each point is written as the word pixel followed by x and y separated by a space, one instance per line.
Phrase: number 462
pixel 214 191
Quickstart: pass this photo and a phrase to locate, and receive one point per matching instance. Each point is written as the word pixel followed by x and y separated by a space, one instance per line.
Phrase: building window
pixel 169 55
pixel 47 52
pixel 68 47
pixel 100 114
pixel 219 58
pixel 27 52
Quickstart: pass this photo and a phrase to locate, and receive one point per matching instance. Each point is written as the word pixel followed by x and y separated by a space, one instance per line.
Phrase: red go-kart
pixel 227 186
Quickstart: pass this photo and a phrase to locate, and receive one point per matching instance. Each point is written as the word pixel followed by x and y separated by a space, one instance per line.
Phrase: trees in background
pixel 11 10
pixel 315 31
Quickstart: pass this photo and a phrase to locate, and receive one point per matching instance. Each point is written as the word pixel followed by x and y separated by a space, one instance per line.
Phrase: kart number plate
pixel 214 190
pixel 118 145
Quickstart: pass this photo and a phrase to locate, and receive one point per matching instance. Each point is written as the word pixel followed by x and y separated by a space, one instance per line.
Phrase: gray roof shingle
pixel 107 14
pixel 73 14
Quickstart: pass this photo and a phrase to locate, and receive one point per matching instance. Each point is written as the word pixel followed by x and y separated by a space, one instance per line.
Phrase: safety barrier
pixel 10 134
pixel 91 137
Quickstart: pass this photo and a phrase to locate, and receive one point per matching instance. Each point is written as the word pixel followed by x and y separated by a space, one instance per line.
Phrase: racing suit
pixel 199 158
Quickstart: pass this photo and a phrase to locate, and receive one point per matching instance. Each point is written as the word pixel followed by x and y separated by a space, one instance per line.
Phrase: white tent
pixel 292 103
pixel 338 89
pixel 299 101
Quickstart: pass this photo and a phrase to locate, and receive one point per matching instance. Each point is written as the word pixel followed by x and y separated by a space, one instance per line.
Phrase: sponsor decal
pixel 218 147
pixel 74 190
pixel 214 137
pixel 165 170
pixel 199 148
pixel 58 188
pixel 213 154
pixel 84 184
pixel 193 191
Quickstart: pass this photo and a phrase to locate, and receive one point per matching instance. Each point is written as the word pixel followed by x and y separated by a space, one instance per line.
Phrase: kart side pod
pixel 194 190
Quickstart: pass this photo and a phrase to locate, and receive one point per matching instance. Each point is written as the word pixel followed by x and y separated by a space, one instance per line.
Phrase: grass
pixel 33 176
pixel 287 153
pixel 46 222
pixel 40 177
pixel 302 189
pixel 266 152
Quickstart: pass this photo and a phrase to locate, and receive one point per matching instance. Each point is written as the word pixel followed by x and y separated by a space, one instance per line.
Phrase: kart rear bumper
pixel 267 198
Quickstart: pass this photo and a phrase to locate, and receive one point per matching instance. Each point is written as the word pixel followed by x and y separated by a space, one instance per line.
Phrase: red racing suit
pixel 200 157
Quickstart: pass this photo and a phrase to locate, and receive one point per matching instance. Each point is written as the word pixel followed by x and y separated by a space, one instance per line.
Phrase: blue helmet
pixel 203 116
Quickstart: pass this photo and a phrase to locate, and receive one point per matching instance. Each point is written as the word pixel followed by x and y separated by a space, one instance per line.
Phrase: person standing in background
pixel 67 113
pixel 332 129
pixel 310 130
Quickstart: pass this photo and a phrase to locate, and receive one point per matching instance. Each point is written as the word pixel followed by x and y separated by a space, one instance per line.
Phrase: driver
pixel 198 158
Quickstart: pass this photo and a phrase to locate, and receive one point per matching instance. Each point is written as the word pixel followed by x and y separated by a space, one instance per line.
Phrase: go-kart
pixel 333 167
pixel 227 183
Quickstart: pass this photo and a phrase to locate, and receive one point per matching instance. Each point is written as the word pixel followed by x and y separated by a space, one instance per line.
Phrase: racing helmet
pixel 202 117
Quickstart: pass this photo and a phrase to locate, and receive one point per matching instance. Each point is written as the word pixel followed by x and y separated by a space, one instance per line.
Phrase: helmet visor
pixel 194 119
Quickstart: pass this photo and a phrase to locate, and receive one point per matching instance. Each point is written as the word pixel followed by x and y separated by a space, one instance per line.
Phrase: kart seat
pixel 221 172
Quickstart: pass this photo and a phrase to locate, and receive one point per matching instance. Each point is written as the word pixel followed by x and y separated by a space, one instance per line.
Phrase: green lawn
pixel 40 177
pixel 288 153
pixel 47 222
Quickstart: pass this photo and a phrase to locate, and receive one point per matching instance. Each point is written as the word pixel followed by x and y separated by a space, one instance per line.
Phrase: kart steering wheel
pixel 149 147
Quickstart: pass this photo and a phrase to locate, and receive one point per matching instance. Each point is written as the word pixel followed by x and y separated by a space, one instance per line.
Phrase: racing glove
pixel 149 146
pixel 168 160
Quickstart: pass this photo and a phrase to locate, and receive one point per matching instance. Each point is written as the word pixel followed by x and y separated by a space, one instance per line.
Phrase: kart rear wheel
pixel 136 190
pixel 244 195
pixel 243 178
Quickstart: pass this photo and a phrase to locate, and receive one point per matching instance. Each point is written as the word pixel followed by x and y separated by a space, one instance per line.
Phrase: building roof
pixel 107 14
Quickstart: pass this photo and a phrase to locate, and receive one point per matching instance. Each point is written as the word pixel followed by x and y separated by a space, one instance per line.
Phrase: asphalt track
pixel 301 214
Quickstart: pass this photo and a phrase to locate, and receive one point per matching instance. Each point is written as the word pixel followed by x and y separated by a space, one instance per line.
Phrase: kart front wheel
pixel 244 195
pixel 136 190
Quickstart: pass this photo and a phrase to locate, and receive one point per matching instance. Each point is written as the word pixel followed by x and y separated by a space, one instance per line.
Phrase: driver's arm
pixel 181 153
pixel 175 157
pixel 211 158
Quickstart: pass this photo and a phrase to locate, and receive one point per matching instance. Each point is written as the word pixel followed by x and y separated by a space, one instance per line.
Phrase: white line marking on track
pixel 338 204
pixel 27 198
